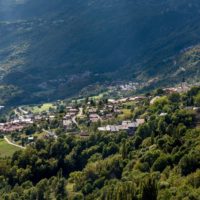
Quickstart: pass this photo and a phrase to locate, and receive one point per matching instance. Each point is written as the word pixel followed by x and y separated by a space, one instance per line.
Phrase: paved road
pixel 80 112
pixel 74 121
pixel 13 144
pixel 78 115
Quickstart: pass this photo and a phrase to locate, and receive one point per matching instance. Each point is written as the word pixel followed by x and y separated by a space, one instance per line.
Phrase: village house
pixel 94 118
pixel 68 107
pixel 50 134
pixel 30 138
pixel 137 98
pixel 9 127
pixel 102 112
pixel 163 114
pixel 67 116
pixel 2 107
pixel 92 110
pixel 84 134
pixel 38 117
pixel 73 110
pixel 112 101
pixel 140 121
pixel 128 126
pixel 67 123
pixel 118 111
pixel 181 89
pixel 109 116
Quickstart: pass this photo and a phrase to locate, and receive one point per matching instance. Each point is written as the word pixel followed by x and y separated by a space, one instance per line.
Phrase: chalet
pixel 114 129
pixel 197 109
pixel 2 107
pixel 67 122
pixel 94 118
pixel 51 117
pixel 124 123
pixel 72 114
pixel 180 89
pixel 109 128
pixel 30 138
pixel 124 100
pixel 140 121
pixel 92 111
pixel 67 116
pixel 110 107
pixel 102 129
pixel 11 127
pixel 73 110
pixel 28 121
pixel 109 116
pixel 170 90
pixel 163 114
pixel 189 108
pixel 102 112
pixel 37 117
pixel 69 107
pixel 137 98
pixel 128 126
pixel 84 134
pixel 112 101
pixel 51 135
pixel 118 111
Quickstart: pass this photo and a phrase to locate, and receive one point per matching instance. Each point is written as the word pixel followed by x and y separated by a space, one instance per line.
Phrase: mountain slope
pixel 52 49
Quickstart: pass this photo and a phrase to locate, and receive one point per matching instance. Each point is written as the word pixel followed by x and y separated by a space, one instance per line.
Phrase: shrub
pixel 161 163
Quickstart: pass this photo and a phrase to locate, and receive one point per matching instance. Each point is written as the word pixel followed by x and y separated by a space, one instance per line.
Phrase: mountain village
pixel 79 117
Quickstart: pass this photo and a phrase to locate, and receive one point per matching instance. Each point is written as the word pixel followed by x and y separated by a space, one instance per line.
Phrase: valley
pixel 47 53
pixel 99 100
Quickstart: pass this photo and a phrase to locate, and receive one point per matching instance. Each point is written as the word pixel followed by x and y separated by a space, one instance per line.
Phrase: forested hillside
pixel 52 49
pixel 160 161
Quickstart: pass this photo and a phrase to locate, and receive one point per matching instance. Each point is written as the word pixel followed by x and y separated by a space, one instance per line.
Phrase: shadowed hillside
pixel 52 49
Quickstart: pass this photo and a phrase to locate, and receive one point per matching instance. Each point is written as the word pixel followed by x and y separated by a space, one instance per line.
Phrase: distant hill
pixel 52 49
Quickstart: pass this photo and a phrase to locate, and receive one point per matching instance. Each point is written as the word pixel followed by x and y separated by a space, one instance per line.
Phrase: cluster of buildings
pixel 128 126
pixel 70 118
pixel 124 100
pixel 50 134
pixel 16 124
pixel 129 86
pixel 179 89
pixel 11 127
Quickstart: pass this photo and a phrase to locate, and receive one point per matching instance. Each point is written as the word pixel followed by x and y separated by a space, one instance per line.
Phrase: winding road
pixel 13 144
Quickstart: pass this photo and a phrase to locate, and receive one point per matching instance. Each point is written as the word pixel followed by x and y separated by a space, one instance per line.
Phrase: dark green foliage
pixel 174 98
pixel 60 192
pixel 120 191
pixel 150 189
pixel 190 163
pixel 160 161
pixel 144 131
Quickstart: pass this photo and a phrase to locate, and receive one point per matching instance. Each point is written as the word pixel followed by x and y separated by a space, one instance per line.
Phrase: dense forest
pixel 160 161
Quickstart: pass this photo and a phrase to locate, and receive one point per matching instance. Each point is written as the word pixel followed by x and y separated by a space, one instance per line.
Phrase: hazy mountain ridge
pixel 110 39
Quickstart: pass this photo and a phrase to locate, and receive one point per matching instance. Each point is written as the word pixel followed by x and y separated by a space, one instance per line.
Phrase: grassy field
pixel 7 150
pixel 126 114
pixel 42 108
